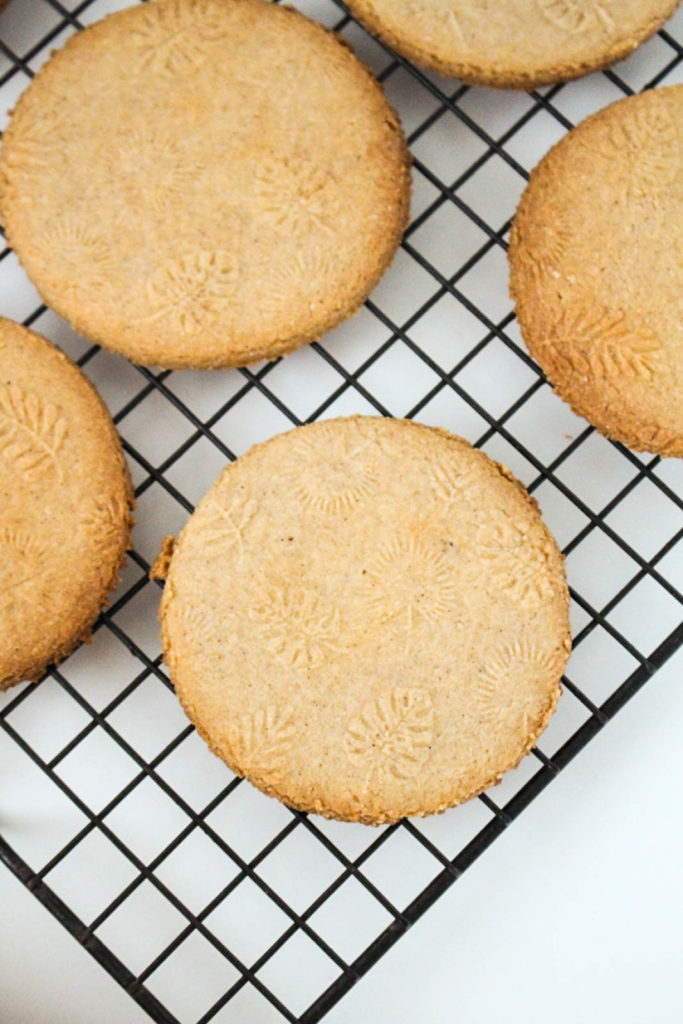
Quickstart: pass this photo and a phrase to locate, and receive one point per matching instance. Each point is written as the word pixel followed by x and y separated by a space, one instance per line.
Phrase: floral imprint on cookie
pixel 149 171
pixel 305 275
pixel 295 195
pixel 174 37
pixel 513 566
pixel 75 259
pixel 410 579
pixel 596 343
pixel 193 292
pixel 577 16
pixel 261 742
pixel 342 482
pixel 299 627
pixel 21 558
pixel 34 147
pixel 32 432
pixel 498 692
pixel 391 737
pixel 646 138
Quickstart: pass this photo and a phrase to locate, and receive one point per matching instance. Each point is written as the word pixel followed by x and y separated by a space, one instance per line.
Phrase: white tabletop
pixel 575 913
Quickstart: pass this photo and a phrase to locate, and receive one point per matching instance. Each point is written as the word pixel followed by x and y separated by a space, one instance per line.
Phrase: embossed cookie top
pixel 64 504
pixel 514 43
pixel 367 618
pixel 596 262
pixel 231 184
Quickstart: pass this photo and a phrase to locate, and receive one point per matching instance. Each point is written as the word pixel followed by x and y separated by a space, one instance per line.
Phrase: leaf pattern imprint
pixel 516 568
pixel 509 684
pixel 296 195
pixel 298 626
pixel 434 16
pixel 392 736
pixel 411 578
pixel 648 137
pixel 22 556
pixel 605 345
pixel 262 741
pixel 228 521
pixel 576 16
pixel 32 431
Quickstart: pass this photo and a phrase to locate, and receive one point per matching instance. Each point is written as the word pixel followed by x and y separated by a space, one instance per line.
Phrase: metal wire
pixel 448 99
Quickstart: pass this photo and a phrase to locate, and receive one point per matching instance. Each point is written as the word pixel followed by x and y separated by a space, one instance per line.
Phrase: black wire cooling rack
pixel 151 854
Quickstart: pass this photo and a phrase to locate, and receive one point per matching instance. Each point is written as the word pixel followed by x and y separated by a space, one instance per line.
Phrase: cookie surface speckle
pixel 367 618
pixel 65 500
pixel 514 43
pixel 596 264
pixel 231 184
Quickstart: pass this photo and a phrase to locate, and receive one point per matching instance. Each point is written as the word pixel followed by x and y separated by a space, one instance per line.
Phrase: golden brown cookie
pixel 596 263
pixel 367 618
pixel 231 183
pixel 514 43
pixel 65 501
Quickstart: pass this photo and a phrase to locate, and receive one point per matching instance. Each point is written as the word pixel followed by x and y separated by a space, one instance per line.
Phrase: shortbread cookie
pixel 366 618
pixel 514 43
pixel 229 184
pixel 65 501
pixel 596 261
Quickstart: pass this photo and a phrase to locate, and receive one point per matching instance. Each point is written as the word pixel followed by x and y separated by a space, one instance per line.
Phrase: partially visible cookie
pixel 231 183
pixel 596 264
pixel 65 505
pixel 514 43
pixel 367 618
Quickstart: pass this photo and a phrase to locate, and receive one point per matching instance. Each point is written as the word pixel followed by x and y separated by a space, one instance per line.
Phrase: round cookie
pixel 596 264
pixel 65 501
pixel 231 184
pixel 517 44
pixel 366 618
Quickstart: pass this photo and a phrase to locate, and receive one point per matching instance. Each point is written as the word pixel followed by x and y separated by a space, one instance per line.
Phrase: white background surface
pixel 574 914
pixel 576 911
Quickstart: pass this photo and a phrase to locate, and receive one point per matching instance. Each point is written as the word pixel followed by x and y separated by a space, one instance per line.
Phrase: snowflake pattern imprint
pixel 577 16
pixel 409 579
pixel 174 38
pixel 499 694
pixel 391 737
pixel 261 743
pixel 300 628
pixel 32 432
pixel 194 292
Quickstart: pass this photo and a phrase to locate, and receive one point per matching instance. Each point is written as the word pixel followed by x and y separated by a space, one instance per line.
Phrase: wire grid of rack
pixel 204 899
